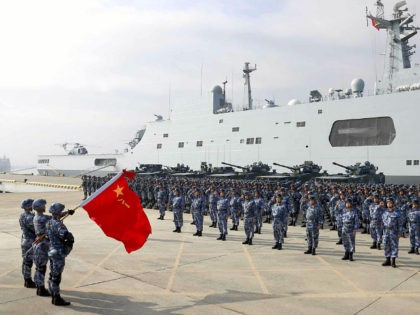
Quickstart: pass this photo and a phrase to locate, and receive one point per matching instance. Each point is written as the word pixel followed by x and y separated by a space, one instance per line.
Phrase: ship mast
pixel 247 70
pixel 398 51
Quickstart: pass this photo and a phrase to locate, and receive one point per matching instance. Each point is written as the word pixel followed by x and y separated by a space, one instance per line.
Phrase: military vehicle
pixel 357 173
pixel 256 169
pixel 302 172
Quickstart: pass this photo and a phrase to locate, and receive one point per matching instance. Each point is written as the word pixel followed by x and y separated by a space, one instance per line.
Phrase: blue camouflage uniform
pixel 314 219
pixel 350 219
pixel 162 202
pixel 213 199
pixel 393 228
pixel 222 214
pixel 413 217
pixel 376 224
pixel 198 207
pixel 250 213
pixel 178 210
pixel 235 211
pixel 338 214
pixel 278 211
pixel 60 239
pixel 41 248
pixel 286 202
pixel 260 206
pixel 26 221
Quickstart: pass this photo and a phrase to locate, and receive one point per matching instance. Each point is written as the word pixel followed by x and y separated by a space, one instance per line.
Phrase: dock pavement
pixel 184 274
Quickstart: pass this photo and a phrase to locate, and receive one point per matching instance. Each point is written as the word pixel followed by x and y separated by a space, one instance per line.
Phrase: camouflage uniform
pixel 279 211
pixel 26 221
pixel 314 219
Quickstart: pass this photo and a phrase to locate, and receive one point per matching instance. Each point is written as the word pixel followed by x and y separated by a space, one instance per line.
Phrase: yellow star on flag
pixel 118 191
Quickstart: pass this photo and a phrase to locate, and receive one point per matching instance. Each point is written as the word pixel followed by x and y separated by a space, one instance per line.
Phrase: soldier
pixel 376 210
pixel 260 206
pixel 213 198
pixel 84 186
pixel 178 210
pixel 41 248
pixel 413 217
pixel 235 209
pixel 279 211
pixel 197 207
pixel 338 213
pixel 61 243
pixel 393 228
pixel 350 220
pixel 26 221
pixel 222 215
pixel 286 202
pixel 314 220
pixel 250 214
pixel 161 201
pixel 303 207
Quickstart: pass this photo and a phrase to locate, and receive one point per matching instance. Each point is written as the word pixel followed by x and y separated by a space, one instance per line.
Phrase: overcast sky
pixel 93 71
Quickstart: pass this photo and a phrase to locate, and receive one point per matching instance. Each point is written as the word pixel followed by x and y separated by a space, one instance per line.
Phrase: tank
pixel 303 172
pixel 256 169
pixel 357 173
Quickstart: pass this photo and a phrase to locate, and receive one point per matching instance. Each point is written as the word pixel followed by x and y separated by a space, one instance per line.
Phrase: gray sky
pixel 94 71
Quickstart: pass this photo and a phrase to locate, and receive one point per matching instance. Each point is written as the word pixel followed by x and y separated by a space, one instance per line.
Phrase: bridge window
pixel 180 144
pixel 257 140
pixel 159 146
pixel 301 124
pixel 105 162
pixel 44 161
pixel 165 135
pixel 199 143
pixel 409 162
pixel 362 132
pixel 250 141
pixel 416 162
pixel 242 141
pixel 235 129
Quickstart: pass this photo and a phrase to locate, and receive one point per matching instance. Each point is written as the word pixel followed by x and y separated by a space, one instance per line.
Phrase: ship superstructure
pixel 342 126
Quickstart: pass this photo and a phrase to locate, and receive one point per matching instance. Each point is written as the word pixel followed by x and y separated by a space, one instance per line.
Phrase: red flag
pixel 119 213
pixel 374 23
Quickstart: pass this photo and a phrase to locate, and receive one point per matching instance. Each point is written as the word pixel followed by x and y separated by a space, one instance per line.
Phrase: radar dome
pixel 294 102
pixel 357 85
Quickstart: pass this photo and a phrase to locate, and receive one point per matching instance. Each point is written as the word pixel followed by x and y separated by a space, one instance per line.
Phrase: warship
pixel 346 126
pixel 5 164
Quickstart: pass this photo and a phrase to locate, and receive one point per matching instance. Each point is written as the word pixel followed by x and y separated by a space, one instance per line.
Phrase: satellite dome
pixel 217 89
pixel 331 91
pixel 294 102
pixel 357 85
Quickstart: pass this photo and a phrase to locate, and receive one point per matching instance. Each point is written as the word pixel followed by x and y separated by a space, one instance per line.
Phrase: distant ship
pixel 345 126
pixel 5 164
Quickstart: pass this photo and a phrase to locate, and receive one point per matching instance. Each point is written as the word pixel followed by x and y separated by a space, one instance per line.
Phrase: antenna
pixel 247 70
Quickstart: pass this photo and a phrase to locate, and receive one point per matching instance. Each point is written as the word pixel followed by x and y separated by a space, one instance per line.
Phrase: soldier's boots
pixel 374 245
pixel 42 291
pixel 197 233
pixel 236 227
pixel 276 246
pixel 192 223
pixel 340 242
pixel 213 224
pixel 393 263
pixel 346 256
pixel 333 228
pixel 309 251
pixel 246 241
pixel 59 301
pixel 417 251
pixel 177 230
pixel 387 262
pixel 220 237
pixel 411 251
pixel 258 230
pixel 351 256
pixel 223 237
pixel 285 234
pixel 250 241
pixel 313 251
pixel 280 247
pixel 233 228
pixel 267 220
pixel 29 283
pixel 379 246
pixel 364 230
pixel 303 224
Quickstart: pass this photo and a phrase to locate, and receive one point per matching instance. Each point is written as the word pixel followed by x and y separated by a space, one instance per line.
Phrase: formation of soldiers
pixel 90 184
pixel 44 239
pixel 386 212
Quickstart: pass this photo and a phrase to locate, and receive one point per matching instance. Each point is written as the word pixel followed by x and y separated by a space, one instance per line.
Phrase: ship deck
pixel 183 274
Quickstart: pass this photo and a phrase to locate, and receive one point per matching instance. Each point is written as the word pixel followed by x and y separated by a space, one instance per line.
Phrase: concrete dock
pixel 183 274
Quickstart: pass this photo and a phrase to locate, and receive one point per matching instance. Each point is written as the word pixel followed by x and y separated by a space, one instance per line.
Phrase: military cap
pixel 349 200
pixel 312 197
pixel 27 204
pixel 57 208
pixel 39 204
pixel 390 199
